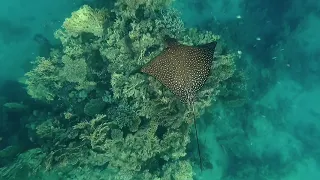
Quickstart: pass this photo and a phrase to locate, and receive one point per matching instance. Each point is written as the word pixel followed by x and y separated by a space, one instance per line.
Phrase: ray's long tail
pixel 195 127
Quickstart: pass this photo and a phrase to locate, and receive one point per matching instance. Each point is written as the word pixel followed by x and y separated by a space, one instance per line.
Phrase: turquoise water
pixel 261 123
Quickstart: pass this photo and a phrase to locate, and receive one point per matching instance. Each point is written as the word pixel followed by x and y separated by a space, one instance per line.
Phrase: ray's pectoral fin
pixel 209 46
pixel 136 70
pixel 169 41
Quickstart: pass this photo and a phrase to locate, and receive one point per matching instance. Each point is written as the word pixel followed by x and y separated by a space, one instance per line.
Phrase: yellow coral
pixel 74 70
pixel 86 20
pixel 42 80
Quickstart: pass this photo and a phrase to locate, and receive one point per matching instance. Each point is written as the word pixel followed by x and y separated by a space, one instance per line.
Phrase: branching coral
pixel 180 170
pixel 74 70
pixel 27 165
pixel 47 130
pixel 86 20
pixel 94 106
pixel 43 81
pixel 130 9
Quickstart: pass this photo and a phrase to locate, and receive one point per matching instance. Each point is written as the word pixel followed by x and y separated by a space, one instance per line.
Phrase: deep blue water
pixel 274 135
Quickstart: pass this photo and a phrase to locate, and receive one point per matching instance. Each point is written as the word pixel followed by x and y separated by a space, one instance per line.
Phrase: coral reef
pixel 86 20
pixel 106 115
pixel 43 81
pixel 26 165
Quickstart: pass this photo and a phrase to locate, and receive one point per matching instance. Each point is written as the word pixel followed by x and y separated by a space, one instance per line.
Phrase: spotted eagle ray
pixel 183 70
